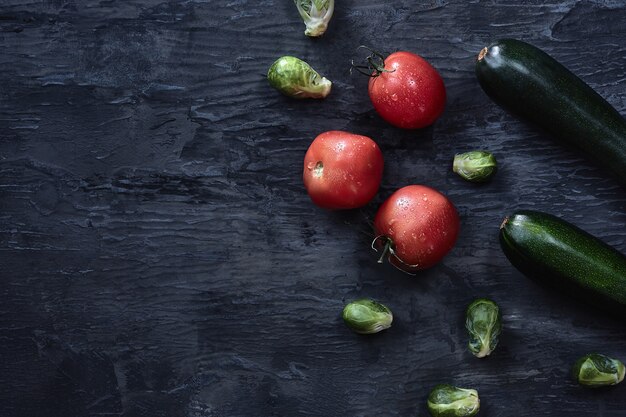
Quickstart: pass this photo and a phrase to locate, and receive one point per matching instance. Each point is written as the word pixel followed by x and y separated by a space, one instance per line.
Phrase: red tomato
pixel 342 170
pixel 410 94
pixel 419 224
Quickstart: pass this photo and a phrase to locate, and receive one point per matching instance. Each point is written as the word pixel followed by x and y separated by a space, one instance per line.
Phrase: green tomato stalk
pixel 450 401
pixel 475 166
pixel 367 316
pixel 316 14
pixel 596 370
pixel 295 78
pixel 483 323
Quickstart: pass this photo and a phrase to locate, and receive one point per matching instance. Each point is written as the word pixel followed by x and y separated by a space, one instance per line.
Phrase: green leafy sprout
pixel 475 166
pixel 367 316
pixel 596 370
pixel 450 401
pixel 295 78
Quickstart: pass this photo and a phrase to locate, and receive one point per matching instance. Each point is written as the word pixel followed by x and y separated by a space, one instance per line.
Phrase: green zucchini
pixel 529 83
pixel 563 256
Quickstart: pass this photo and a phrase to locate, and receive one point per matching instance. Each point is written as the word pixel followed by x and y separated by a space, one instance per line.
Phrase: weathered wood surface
pixel 160 257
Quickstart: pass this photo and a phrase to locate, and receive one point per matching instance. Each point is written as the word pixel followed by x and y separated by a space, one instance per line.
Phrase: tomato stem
pixel 386 250
pixel 375 64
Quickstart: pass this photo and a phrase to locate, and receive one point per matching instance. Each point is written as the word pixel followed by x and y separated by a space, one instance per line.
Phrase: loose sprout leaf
pixel 484 324
pixel 316 15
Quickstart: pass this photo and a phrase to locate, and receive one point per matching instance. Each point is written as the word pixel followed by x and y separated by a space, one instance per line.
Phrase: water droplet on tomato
pixel 394 97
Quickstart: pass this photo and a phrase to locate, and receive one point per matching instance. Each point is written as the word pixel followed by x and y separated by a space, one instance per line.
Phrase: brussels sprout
pixel 316 15
pixel 367 316
pixel 483 322
pixel 449 401
pixel 475 166
pixel 596 370
pixel 295 78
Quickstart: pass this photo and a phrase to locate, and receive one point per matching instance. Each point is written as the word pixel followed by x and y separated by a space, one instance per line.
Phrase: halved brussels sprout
pixel 316 14
pixel 475 166
pixel 483 323
pixel 450 401
pixel 367 316
pixel 596 370
pixel 295 78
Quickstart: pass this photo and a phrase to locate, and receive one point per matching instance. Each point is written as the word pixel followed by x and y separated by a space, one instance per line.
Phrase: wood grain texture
pixel 160 256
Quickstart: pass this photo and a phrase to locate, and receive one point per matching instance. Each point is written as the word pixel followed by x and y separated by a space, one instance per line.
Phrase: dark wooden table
pixel 160 256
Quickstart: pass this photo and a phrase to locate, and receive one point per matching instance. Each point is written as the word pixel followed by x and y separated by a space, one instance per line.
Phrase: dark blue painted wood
pixel 160 256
